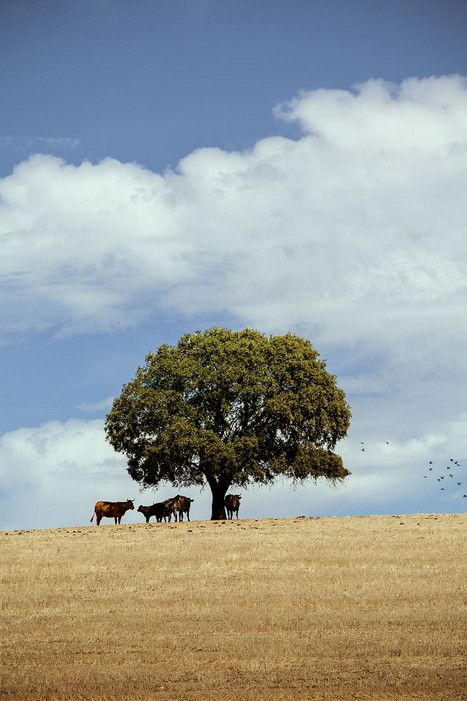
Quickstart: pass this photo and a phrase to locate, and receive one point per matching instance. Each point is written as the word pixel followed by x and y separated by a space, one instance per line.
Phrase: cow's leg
pixel 180 515
pixel 237 514
pixel 147 519
pixel 188 515
pixel 98 519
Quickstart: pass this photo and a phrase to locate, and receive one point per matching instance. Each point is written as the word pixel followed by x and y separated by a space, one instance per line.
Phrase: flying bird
pixel 430 468
pixel 459 484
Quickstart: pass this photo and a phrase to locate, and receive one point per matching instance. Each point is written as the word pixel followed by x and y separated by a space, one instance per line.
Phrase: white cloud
pixel 51 475
pixel 26 144
pixel 428 115
pixel 357 228
pixel 97 406
pixel 75 448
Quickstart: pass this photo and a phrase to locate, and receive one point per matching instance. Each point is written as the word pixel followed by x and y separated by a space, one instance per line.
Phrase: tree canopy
pixel 230 408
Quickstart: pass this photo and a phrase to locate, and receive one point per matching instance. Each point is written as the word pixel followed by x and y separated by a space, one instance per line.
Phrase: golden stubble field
pixel 276 609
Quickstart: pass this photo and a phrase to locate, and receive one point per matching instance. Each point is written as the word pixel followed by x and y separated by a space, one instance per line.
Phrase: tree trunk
pixel 218 495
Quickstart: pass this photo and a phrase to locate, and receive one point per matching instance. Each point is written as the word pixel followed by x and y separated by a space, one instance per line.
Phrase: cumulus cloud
pixel 355 228
pixel 51 475
pixel 427 115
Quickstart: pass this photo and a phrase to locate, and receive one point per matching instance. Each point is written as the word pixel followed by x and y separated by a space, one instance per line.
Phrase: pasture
pixel 252 610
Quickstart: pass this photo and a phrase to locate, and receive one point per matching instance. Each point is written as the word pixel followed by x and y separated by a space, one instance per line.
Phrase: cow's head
pixel 141 509
pixel 129 504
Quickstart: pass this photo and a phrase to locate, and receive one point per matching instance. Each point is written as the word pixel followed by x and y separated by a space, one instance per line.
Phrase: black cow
pixel 232 503
pixel 161 510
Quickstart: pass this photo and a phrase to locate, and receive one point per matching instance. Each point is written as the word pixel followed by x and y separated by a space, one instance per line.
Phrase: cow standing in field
pixel 161 510
pixel 111 509
pixel 232 503
pixel 181 505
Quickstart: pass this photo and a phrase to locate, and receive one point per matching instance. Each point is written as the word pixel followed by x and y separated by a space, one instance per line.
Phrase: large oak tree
pixel 230 408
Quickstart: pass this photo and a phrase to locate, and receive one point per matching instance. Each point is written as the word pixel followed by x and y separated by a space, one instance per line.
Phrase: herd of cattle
pixel 176 507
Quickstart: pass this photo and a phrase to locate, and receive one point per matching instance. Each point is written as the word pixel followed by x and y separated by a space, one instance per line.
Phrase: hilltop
pixel 266 609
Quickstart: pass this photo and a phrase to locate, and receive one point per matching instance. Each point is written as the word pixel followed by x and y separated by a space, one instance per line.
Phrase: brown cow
pixel 161 510
pixel 232 503
pixel 181 505
pixel 111 509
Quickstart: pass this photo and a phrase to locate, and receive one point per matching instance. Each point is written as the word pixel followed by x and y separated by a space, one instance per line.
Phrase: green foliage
pixel 231 408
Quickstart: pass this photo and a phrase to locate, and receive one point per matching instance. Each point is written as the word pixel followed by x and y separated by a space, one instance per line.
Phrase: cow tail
pixel 92 517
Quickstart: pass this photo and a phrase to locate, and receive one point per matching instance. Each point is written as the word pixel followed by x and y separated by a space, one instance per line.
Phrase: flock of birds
pixel 452 471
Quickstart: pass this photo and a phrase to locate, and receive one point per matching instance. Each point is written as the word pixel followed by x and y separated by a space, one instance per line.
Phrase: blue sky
pixel 167 166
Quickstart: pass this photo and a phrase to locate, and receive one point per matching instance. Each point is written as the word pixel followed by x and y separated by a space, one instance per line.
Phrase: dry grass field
pixel 269 610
